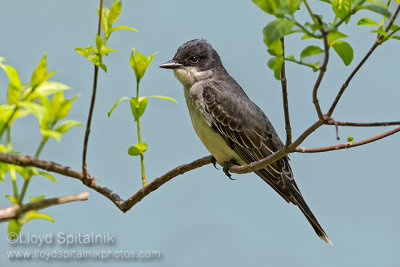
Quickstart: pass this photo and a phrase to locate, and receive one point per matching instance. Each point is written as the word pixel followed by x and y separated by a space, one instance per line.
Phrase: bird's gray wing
pixel 248 132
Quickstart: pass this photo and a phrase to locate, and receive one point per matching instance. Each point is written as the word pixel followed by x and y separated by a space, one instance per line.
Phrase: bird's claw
pixel 226 167
pixel 214 162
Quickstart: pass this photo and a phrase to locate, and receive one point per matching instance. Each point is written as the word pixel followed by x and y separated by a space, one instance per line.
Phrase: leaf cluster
pixel 285 23
pixel 45 100
pixel 108 18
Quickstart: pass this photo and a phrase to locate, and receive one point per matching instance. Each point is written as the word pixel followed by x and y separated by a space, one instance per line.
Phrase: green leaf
pixel 277 29
pixel 138 106
pixel 367 21
pixel 48 176
pixel 341 7
pixel 116 104
pixel 37 110
pixel 378 3
pixel 115 11
pixel 104 20
pixel 14 85
pixel 86 52
pixel 105 50
pixel 94 58
pixel 344 50
pixel 394 27
pixel 139 63
pixel 380 30
pixel 12 199
pixel 40 73
pixel 14 228
pixel 306 36
pixel 7 110
pixel 377 9
pixel 278 7
pixel 333 36
pixel 26 172
pixel 99 42
pixel 66 125
pixel 82 51
pixel 137 149
pixel 163 97
pixel 268 6
pixel 103 67
pixel 350 139
pixel 36 198
pixel 310 51
pixel 50 134
pixel 275 48
pixel 33 214
pixel 43 90
pixel 61 107
pixel 275 64
pixel 3 171
pixel 395 37
pixel 122 28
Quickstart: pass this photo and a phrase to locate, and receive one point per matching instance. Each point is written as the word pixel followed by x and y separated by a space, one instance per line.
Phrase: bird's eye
pixel 194 59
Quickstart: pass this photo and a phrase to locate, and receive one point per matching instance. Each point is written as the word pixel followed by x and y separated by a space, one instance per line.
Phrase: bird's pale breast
pixel 212 140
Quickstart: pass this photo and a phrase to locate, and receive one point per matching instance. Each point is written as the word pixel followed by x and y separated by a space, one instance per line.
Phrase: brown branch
pixel 363 124
pixel 347 145
pixel 90 181
pixel 354 72
pixel 16 210
pixel 321 74
pixel 285 98
pixel 92 102
pixel 156 183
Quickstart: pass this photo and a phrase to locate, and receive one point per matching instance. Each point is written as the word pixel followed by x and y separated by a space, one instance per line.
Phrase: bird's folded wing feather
pixel 248 132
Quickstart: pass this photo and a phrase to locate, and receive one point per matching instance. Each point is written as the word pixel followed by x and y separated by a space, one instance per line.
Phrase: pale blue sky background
pixel 202 218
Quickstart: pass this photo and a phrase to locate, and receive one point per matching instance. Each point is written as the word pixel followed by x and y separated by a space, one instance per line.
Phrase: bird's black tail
pixel 301 203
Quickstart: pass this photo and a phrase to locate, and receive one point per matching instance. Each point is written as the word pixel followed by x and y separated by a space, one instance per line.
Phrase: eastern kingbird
pixel 230 125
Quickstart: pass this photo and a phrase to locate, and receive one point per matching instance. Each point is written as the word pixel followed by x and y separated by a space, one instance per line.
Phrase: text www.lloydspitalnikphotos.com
pixel 62 246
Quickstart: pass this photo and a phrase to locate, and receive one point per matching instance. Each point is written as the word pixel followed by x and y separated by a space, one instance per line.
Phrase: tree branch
pixel 285 98
pixel 354 72
pixel 16 210
pixel 90 181
pixel 92 102
pixel 347 145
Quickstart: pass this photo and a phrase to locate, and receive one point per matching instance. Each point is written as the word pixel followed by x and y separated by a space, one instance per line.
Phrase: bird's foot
pixel 226 167
pixel 214 162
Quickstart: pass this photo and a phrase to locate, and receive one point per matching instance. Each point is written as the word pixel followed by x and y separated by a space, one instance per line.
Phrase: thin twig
pixel 314 67
pixel 321 75
pixel 347 145
pixel 285 98
pixel 363 124
pixel 92 102
pixel 90 181
pixel 16 210
pixel 354 72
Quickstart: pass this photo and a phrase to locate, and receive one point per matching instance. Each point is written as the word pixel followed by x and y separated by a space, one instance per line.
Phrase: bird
pixel 232 128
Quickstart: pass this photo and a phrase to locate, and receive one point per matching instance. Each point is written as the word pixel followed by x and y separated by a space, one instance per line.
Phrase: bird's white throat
pixel 189 75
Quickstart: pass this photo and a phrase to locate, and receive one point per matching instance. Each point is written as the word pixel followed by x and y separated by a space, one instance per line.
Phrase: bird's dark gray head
pixel 195 60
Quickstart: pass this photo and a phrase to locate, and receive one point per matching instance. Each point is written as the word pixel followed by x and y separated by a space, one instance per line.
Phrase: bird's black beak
pixel 171 65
